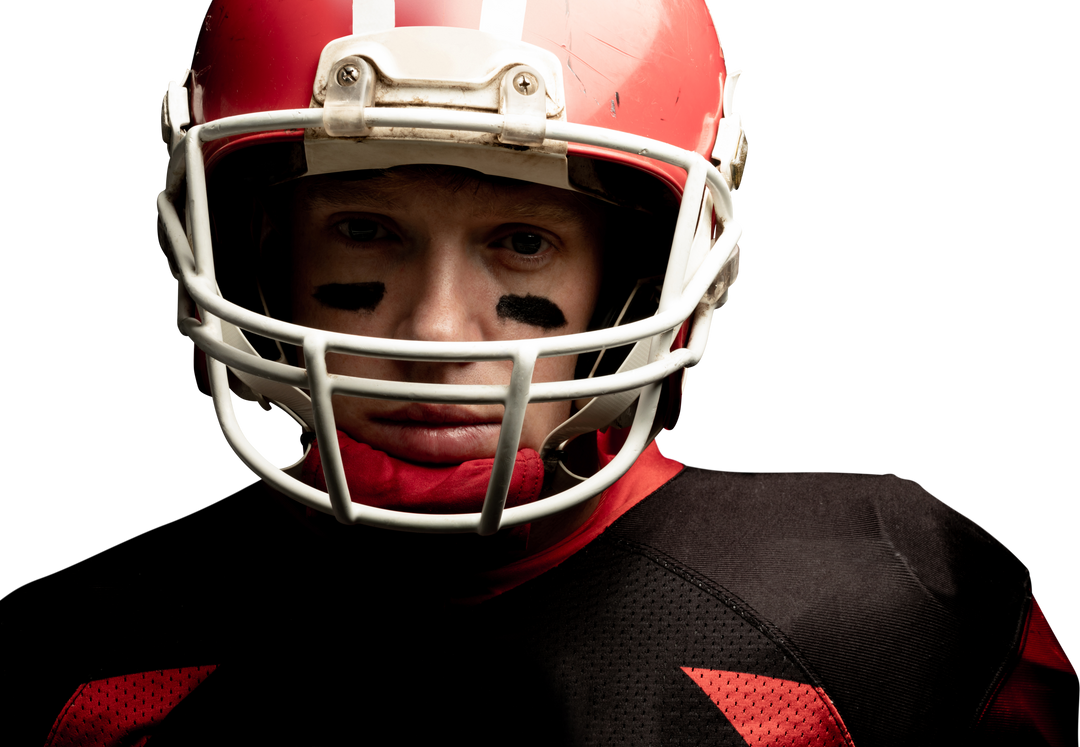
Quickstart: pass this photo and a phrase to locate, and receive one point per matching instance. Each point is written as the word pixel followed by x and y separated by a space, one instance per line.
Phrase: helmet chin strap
pixel 601 411
pixel 377 478
pixel 294 401
pixel 605 409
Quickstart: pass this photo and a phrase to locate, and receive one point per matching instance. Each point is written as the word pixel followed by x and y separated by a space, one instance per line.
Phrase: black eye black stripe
pixel 350 296
pixel 535 311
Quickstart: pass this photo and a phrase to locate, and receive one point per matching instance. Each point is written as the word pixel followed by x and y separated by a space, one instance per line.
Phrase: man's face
pixel 420 254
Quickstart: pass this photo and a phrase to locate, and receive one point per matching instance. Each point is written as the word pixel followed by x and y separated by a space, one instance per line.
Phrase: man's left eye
pixel 525 243
pixel 360 229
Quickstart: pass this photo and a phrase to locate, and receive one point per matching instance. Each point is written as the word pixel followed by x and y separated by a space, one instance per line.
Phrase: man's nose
pixel 446 295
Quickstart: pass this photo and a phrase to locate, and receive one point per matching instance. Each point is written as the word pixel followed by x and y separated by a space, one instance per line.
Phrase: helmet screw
pixel 348 75
pixel 525 84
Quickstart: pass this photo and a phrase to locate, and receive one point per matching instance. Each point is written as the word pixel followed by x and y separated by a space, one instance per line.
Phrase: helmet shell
pixel 646 67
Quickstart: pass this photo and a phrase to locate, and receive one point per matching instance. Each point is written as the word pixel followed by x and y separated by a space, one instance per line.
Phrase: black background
pixel 898 312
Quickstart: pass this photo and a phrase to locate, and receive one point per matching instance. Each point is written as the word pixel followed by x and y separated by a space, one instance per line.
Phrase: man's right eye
pixel 361 229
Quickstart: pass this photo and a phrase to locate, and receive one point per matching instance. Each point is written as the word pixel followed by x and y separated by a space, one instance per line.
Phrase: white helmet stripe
pixel 372 16
pixel 503 18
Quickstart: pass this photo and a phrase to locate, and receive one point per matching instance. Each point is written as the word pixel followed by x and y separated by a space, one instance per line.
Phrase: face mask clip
pixel 349 91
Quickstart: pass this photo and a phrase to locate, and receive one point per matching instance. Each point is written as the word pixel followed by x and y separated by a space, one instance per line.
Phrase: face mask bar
pixel 698 274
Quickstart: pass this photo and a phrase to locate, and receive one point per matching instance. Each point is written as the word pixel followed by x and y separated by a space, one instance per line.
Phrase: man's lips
pixel 434 416
pixel 433 433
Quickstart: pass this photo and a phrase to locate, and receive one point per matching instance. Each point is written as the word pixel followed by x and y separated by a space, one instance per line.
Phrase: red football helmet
pixel 626 101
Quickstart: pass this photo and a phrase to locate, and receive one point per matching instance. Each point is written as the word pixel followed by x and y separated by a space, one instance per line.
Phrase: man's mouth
pixel 435 416
pixel 434 434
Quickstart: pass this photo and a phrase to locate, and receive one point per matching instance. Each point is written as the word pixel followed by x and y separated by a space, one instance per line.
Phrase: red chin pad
pixel 378 479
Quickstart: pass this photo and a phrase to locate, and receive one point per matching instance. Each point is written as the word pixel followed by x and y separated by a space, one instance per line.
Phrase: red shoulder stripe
pixel 1036 702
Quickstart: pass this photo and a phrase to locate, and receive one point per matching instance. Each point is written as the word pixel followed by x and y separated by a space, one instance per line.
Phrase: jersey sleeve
pixel 1036 702
pixel 122 710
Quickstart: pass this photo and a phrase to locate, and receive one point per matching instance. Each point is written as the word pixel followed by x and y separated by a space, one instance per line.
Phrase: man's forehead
pixel 483 194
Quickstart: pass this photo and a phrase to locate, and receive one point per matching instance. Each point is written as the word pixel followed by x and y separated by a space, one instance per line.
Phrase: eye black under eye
pixel 526 243
pixel 359 229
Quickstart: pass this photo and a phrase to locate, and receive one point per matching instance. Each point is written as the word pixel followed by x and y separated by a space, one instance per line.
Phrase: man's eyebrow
pixel 336 194
pixel 384 193
pixel 542 212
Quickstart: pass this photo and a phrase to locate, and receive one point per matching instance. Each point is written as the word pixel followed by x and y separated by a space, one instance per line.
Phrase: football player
pixel 471 258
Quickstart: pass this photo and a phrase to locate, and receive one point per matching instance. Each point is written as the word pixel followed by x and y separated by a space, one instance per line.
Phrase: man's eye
pixel 359 229
pixel 525 243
